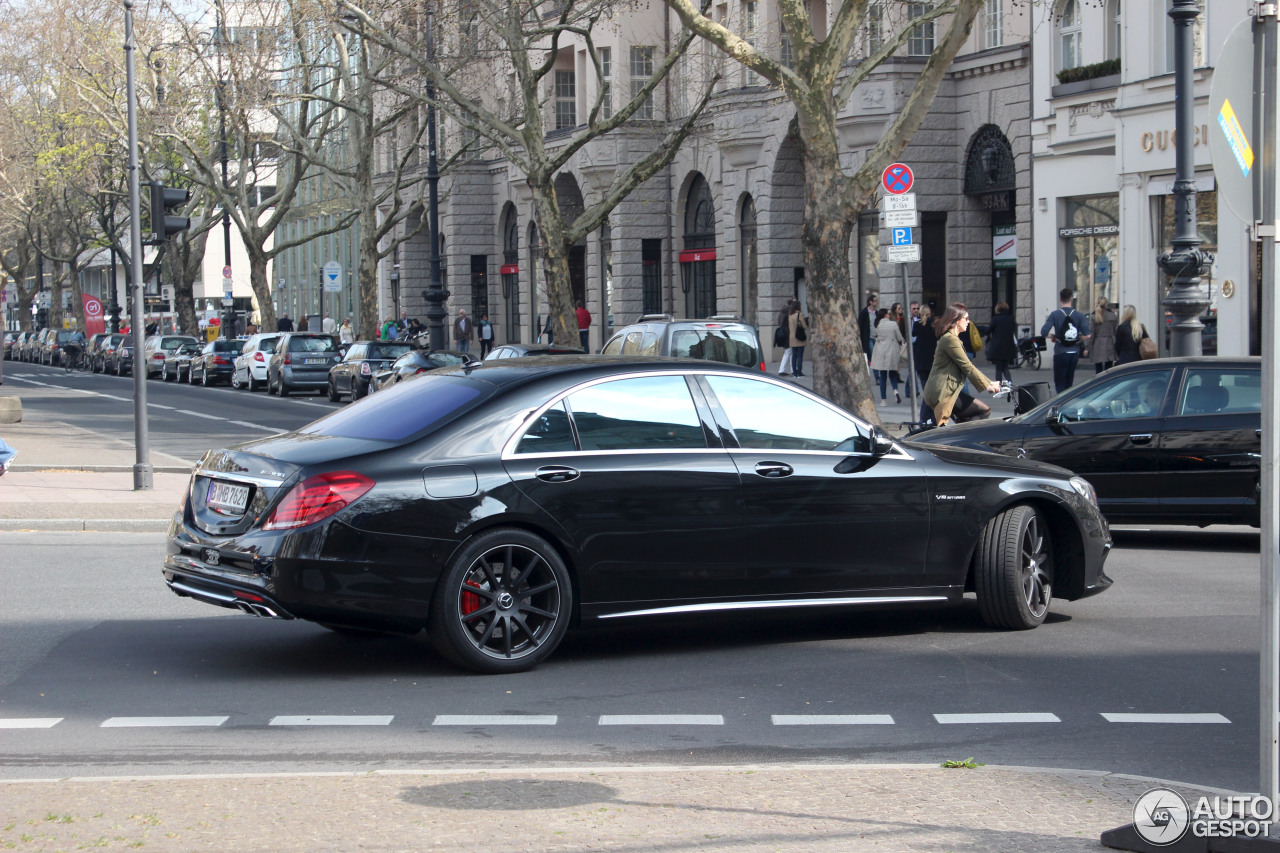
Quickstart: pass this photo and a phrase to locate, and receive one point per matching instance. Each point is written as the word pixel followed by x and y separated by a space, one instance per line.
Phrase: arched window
pixel 1069 35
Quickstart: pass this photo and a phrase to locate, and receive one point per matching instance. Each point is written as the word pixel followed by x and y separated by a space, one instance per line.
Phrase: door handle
pixel 774 470
pixel 556 474
pixel 1257 433
pixel 1141 438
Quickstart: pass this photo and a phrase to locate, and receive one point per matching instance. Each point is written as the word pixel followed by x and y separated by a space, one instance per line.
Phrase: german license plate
pixel 314 360
pixel 227 498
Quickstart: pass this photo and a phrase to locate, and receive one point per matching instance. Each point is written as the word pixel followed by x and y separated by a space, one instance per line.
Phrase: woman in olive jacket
pixel 951 366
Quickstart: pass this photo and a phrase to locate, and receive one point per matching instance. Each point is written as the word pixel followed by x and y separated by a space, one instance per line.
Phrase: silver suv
pixel 726 338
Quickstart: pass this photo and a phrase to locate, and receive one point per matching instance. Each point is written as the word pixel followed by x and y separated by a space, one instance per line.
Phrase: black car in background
pixel 521 350
pixel 1168 440
pixel 420 361
pixel 52 343
pixel 101 348
pixel 10 338
pixel 157 348
pixel 177 363
pixel 215 362
pixel 496 504
pixel 352 376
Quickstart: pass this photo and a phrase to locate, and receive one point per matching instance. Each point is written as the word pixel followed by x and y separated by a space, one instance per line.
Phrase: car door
pixel 641 487
pixel 1109 432
pixel 1209 459
pixel 822 515
pixel 345 370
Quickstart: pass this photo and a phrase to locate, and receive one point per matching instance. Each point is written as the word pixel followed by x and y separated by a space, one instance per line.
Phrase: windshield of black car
pixel 731 346
pixel 405 409
pixel 387 350
pixel 324 344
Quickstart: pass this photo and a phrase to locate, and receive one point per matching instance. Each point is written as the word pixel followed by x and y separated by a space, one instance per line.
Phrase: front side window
pixel 766 416
pixel 1138 395
pixel 1069 36
pixel 648 413
pixel 1225 390
pixel 641 72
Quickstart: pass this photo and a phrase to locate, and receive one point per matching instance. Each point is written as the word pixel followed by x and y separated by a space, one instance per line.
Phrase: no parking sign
pixel 897 178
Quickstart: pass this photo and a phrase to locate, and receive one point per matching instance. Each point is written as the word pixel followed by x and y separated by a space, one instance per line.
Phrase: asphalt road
pixel 128 678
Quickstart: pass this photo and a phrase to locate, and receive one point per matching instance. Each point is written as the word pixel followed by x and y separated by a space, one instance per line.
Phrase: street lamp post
pixel 435 294
pixel 395 289
pixel 222 131
pixel 142 470
pixel 1186 298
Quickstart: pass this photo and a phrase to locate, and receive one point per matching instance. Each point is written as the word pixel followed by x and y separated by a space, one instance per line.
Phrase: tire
pixel 527 622
pixel 334 396
pixel 204 379
pixel 235 379
pixel 281 388
pixel 1013 570
pixel 250 382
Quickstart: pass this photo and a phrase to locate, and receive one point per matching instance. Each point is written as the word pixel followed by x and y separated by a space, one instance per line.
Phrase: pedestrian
pixel 463 331
pixel 484 329
pixel 6 456
pixel 1068 329
pixel 923 344
pixel 346 335
pixel 1102 346
pixel 151 328
pixel 1002 344
pixel 415 328
pixel 799 333
pixel 402 325
pixel 327 326
pixel 388 332
pixel 886 353
pixel 782 337
pixel 867 322
pixel 1129 335
pixel 251 329
pixel 284 324
pixel 584 326
pixel 546 330
pixel 950 369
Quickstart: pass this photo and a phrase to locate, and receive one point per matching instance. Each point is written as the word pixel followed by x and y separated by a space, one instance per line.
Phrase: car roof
pixel 524 369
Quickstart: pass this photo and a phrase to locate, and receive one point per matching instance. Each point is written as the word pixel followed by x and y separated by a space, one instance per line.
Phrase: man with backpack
pixel 1068 329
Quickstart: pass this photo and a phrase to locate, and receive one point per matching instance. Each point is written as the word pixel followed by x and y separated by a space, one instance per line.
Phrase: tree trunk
pixel 555 255
pixel 261 288
pixel 367 266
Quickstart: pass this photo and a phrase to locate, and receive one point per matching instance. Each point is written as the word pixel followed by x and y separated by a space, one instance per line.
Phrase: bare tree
pixel 819 83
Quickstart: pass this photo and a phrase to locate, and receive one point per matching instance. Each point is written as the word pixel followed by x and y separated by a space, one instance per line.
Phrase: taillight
pixel 419 370
pixel 288 359
pixel 257 356
pixel 317 498
pixel 365 369
pixel 217 359
pixel 158 357
pixel 762 368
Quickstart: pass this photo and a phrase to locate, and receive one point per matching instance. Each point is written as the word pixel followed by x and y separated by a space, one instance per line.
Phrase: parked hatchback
pixel 250 370
pixel 723 338
pixel 301 362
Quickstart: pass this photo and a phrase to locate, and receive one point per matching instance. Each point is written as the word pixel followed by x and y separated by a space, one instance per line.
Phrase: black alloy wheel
pixel 334 396
pixel 1013 572
pixel 503 603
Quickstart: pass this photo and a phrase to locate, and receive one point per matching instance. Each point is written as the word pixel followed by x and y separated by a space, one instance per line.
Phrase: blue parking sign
pixel 901 236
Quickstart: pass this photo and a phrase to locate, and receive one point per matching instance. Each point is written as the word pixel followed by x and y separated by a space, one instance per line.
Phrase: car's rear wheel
pixel 1013 572
pixel 281 388
pixel 250 382
pixel 502 604
pixel 334 396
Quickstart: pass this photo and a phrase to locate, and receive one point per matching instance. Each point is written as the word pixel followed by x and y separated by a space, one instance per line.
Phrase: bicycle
pixel 1021 397
pixel 73 358
pixel 1029 349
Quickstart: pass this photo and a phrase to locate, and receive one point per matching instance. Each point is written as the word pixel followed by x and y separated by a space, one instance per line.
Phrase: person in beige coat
pixel 951 367
pixel 887 353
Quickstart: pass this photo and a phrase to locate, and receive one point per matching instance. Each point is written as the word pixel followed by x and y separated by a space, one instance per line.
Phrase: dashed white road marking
pixel 160 722
pixel 332 720
pixel 661 720
pixel 29 722
pixel 954 719
pixel 1164 718
pixel 832 720
pixel 495 720
pixel 254 426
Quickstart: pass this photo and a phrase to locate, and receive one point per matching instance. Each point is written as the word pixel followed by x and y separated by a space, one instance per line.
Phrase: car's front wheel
pixel 503 603
pixel 333 392
pixel 1013 572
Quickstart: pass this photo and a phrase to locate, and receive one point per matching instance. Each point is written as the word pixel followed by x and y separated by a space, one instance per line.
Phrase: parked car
pixel 521 350
pixel 20 339
pixel 301 362
pixel 177 363
pixel 412 364
pixel 10 338
pixel 215 362
pixel 157 348
pixel 496 504
pixel 250 369
pixel 362 360
pixel 31 349
pixel 1164 441
pixel 52 343
pixel 723 338
pixel 100 348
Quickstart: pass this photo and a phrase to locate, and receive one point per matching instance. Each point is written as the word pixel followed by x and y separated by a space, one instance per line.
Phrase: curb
pixel 95 469
pixel 79 525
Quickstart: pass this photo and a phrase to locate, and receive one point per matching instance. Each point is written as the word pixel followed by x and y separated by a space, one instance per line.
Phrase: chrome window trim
pixel 508 447
pixel 773 603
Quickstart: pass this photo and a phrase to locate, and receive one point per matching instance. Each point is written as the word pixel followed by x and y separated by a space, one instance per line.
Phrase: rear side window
pixel 730 346
pixel 632 344
pixel 403 410
pixel 1223 390
pixel 550 433
pixel 649 413
pixel 614 347
pixel 386 350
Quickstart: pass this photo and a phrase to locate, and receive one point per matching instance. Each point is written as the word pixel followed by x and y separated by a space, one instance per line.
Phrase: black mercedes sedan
pixel 498 504
pixel 415 362
pixel 1164 441
pixel 354 374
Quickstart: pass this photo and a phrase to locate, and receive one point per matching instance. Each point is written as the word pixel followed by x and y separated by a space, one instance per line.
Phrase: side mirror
pixel 1053 418
pixel 881 443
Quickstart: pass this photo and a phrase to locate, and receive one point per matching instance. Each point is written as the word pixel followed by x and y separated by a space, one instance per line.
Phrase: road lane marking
pixel 254 426
pixel 29 722
pixel 198 414
pixel 832 720
pixel 158 722
pixel 495 720
pixel 954 719
pixel 661 720
pixel 332 720
pixel 1164 718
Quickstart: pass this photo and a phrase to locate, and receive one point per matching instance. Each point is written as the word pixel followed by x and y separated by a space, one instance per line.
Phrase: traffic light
pixel 164 199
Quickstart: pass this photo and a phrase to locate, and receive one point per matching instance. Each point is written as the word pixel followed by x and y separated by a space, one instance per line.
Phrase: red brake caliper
pixel 470 601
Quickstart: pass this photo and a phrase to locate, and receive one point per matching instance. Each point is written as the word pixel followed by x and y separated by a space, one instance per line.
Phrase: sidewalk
pixel 787 808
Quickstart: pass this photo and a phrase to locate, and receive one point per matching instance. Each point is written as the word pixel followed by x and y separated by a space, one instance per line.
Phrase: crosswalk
pixel 646 720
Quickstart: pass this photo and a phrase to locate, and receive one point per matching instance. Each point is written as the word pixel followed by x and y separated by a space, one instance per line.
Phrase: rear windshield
pixel 387 350
pixel 731 346
pixel 324 344
pixel 404 409
pixel 224 345
pixel 170 344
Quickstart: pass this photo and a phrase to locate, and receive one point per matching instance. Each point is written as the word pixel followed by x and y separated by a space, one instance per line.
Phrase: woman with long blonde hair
pixel 1129 332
